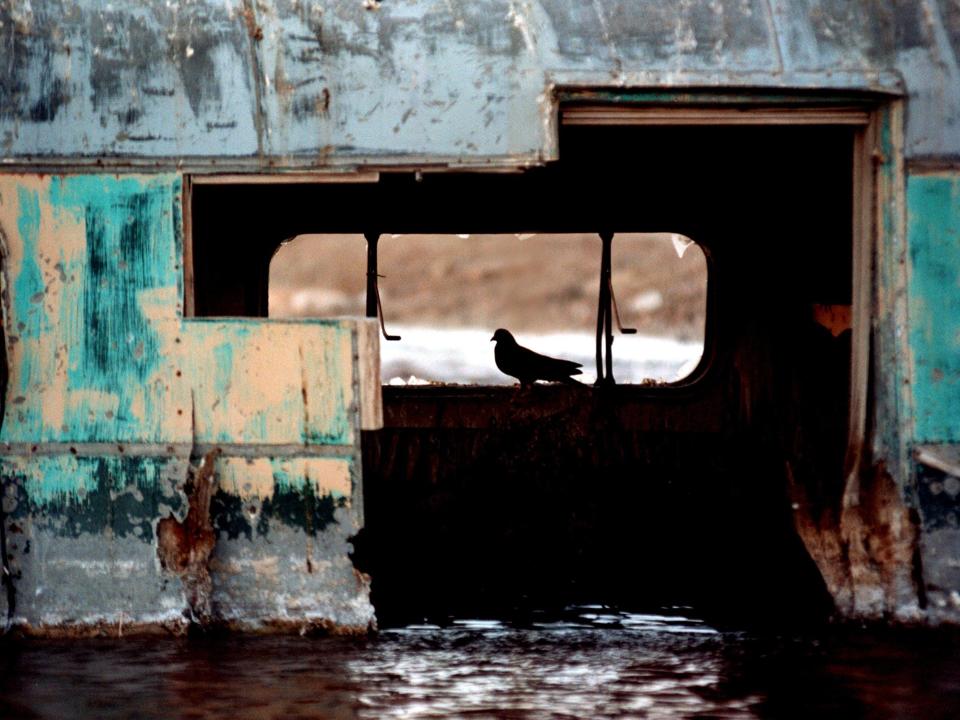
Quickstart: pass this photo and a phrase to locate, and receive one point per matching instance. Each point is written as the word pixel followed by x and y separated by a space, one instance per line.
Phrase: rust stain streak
pixel 304 382
pixel 185 547
pixel 865 548
pixel 249 17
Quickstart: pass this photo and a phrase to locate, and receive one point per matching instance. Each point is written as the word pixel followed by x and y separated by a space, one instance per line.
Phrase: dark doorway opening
pixel 486 501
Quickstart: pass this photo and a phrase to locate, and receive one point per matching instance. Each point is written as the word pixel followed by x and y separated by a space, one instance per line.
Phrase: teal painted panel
pixel 28 287
pixel 120 496
pixel 123 495
pixel 933 206
pixel 94 266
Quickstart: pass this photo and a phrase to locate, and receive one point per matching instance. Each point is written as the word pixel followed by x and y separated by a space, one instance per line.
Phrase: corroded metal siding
pixel 287 84
pixel 99 351
pixel 112 392
pixel 117 392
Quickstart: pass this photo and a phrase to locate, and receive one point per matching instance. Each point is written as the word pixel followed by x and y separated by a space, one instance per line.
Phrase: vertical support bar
pixel 891 399
pixel 605 314
pixel 599 349
pixel 372 240
pixel 374 307
pixel 608 331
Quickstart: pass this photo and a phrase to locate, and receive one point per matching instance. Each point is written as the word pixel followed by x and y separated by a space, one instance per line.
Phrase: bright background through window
pixel 446 294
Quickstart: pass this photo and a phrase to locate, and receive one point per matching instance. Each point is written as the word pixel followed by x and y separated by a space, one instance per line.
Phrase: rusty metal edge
pixel 945 457
pixel 932 165
pixel 865 231
pixel 272 166
pixel 179 449
pixel 97 629
pixel 108 629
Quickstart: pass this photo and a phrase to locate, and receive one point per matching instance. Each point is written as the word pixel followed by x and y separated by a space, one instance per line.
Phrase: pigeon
pixel 527 366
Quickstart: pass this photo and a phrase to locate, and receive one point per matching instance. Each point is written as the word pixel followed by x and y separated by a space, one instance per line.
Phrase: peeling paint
pixel 184 547
pixel 255 390
pixel 111 391
pixel 263 477
pixel 90 493
pixel 250 83
pixel 87 244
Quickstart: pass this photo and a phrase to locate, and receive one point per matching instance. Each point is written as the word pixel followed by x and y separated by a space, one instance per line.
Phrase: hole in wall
pixel 480 500
pixel 444 295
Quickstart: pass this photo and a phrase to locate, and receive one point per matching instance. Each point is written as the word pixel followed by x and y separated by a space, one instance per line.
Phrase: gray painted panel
pixel 295 578
pixel 291 83
pixel 408 79
pixel 133 79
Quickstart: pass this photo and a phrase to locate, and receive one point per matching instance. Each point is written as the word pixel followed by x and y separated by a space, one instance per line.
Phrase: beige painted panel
pixel 272 382
pixel 262 477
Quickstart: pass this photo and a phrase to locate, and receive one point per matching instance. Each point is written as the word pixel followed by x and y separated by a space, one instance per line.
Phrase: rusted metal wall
pixel 112 394
pixel 283 86
pixel 290 84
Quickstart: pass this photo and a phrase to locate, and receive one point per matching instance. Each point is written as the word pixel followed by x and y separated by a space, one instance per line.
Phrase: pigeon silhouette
pixel 528 366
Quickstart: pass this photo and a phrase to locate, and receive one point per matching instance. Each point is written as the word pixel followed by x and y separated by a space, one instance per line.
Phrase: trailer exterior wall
pixel 112 393
pixel 274 85
pixel 277 87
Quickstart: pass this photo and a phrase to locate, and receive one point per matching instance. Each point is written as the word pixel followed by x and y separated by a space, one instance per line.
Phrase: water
pixel 589 663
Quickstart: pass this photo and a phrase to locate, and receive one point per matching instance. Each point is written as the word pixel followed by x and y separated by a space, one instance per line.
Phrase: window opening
pixel 564 295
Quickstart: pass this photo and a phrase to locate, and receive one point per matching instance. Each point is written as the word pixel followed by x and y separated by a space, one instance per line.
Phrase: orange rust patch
pixel 865 549
pixel 253 30
pixel 185 547
pixel 100 629
pixel 103 629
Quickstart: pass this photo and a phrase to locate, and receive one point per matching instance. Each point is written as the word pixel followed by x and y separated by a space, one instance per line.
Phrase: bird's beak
pixel 492 339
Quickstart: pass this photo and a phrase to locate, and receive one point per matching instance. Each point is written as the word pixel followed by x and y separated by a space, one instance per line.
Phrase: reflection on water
pixel 590 662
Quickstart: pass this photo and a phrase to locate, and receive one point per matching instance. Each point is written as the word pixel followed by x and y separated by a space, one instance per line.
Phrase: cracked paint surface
pixel 285 84
pixel 110 393
pixel 83 254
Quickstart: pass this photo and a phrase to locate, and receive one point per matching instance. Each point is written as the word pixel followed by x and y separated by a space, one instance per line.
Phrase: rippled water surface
pixel 591 663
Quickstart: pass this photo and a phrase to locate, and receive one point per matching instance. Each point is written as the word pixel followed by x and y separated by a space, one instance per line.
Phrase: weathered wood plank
pixel 368 369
